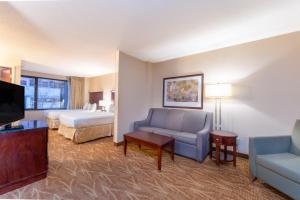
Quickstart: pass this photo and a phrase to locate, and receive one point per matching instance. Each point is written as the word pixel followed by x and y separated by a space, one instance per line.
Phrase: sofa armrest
pixel 203 138
pixel 202 143
pixel 266 145
pixel 138 124
pixel 203 132
pixel 146 122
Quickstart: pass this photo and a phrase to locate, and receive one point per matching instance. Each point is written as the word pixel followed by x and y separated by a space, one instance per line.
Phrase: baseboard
pixel 241 155
pixel 118 143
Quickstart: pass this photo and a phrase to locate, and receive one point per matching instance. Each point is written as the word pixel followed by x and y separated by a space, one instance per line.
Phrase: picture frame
pixel 183 91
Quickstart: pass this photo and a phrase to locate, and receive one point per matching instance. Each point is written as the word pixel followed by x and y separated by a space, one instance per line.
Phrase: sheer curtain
pixel 76 92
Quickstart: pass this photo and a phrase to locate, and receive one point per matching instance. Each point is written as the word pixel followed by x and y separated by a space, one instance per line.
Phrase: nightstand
pixel 223 139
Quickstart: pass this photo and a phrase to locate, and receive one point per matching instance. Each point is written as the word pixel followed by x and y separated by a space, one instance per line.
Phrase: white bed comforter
pixel 54 114
pixel 86 119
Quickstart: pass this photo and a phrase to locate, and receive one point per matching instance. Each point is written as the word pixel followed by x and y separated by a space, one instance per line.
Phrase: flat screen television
pixel 11 102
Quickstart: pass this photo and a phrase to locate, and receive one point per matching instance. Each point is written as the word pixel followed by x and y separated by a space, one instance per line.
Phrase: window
pixel 29 85
pixel 43 93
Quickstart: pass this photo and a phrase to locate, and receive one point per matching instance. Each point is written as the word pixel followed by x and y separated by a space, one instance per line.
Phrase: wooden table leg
pixel 139 146
pixel 218 147
pixel 125 146
pixel 210 147
pixel 234 154
pixel 159 159
pixel 172 149
pixel 225 152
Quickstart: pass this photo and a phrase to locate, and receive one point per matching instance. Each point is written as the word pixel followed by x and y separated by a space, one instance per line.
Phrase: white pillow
pixel 86 106
pixel 93 107
pixel 111 108
pixel 89 106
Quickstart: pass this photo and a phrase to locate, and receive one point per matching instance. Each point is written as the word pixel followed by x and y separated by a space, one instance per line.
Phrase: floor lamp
pixel 218 91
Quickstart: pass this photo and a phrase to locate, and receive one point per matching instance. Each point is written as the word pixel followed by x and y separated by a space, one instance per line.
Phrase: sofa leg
pixel 253 179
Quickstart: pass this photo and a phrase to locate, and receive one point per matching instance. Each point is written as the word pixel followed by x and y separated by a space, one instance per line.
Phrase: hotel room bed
pixel 53 116
pixel 83 127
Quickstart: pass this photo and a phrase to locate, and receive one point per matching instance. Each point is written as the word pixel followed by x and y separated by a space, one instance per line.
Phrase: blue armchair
pixel 276 161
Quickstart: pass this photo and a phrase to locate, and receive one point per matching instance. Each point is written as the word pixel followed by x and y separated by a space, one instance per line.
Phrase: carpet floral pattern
pixel 99 170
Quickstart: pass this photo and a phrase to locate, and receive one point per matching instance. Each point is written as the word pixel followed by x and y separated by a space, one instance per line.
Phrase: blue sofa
pixel 276 161
pixel 190 128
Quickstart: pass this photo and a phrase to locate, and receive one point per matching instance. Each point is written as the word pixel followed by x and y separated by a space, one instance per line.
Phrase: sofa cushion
pixel 174 120
pixel 193 121
pixel 160 131
pixel 189 138
pixel 158 118
pixel 284 164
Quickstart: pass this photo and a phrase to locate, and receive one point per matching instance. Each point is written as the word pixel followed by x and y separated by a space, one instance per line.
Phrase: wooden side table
pixel 223 138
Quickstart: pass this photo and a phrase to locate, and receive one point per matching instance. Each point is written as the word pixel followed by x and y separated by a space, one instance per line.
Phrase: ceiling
pixel 81 37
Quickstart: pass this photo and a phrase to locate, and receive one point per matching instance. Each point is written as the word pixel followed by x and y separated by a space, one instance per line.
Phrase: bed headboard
pixel 95 97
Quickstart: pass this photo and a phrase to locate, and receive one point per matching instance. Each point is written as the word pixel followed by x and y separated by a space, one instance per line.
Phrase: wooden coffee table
pixel 152 140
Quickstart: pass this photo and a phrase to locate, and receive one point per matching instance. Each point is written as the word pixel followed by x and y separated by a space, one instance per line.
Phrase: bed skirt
pixel 53 123
pixel 85 134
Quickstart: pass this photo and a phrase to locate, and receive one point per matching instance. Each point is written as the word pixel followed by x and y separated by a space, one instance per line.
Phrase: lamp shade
pixel 218 90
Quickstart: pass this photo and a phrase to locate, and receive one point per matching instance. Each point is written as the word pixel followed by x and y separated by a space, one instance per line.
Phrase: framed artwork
pixel 183 91
pixel 5 74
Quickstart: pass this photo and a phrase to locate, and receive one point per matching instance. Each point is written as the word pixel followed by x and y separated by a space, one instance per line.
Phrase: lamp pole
pixel 218 113
pixel 218 91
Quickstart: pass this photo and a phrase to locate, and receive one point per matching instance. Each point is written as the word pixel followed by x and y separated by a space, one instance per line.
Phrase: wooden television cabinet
pixel 23 155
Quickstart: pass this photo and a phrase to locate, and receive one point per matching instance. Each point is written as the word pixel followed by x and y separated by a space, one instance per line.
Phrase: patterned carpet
pixel 99 170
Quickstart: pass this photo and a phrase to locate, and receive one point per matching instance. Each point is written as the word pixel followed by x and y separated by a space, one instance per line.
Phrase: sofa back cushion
pixel 190 121
pixel 193 121
pixel 295 147
pixel 158 118
pixel 174 119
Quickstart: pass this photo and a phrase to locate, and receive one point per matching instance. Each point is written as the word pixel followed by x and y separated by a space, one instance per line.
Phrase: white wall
pixel 134 93
pixel 43 75
pixel 265 77
pixel 105 83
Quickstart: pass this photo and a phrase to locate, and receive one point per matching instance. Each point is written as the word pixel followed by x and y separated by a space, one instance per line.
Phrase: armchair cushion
pixel 266 145
pixel 269 145
pixel 284 164
pixel 295 147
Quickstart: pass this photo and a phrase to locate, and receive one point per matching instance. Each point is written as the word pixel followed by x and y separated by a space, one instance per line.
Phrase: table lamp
pixel 218 91
pixel 104 104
